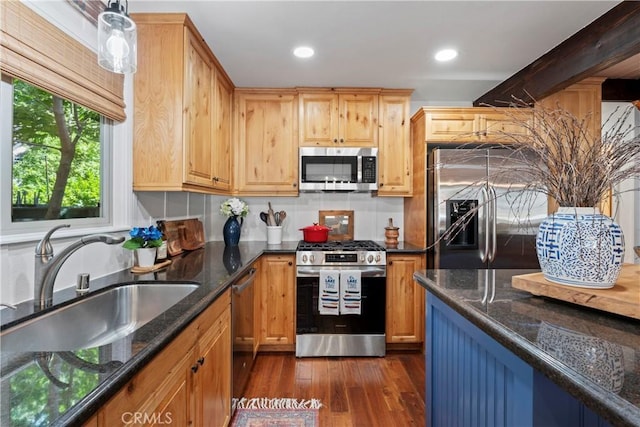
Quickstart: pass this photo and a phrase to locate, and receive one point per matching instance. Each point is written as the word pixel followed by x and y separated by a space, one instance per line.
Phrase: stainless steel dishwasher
pixel 244 339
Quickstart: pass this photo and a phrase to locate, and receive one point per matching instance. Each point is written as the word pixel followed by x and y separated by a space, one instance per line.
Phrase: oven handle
pixel 315 272
pixel 251 276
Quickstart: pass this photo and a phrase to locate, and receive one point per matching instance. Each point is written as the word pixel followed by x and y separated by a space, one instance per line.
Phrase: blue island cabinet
pixel 472 380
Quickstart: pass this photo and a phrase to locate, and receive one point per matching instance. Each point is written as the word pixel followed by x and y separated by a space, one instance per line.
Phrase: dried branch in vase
pixel 556 155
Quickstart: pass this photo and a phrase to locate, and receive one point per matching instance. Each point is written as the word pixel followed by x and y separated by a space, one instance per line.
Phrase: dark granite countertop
pixel 593 355
pixel 31 397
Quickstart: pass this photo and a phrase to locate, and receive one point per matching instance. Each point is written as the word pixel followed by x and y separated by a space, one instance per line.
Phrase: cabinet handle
pixel 335 140
pixel 341 140
pixel 290 263
pixel 201 361
pixel 194 368
pixel 295 185
pixel 390 262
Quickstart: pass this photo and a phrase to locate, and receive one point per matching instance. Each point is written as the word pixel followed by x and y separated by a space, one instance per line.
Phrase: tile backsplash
pixel 371 214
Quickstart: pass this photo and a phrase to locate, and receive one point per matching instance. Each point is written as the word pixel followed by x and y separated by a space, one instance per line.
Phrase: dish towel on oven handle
pixel 329 292
pixel 350 292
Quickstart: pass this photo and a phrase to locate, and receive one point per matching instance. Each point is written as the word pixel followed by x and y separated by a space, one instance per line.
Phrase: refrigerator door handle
pixel 485 207
pixel 493 220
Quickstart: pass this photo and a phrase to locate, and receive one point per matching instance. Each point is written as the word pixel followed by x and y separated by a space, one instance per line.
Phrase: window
pixel 59 159
pixel 57 152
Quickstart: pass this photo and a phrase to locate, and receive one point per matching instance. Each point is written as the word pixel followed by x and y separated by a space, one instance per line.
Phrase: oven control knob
pixel 304 258
pixel 370 259
pixel 311 258
pixel 378 257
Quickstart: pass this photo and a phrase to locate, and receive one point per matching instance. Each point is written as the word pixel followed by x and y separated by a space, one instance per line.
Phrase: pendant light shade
pixel 117 39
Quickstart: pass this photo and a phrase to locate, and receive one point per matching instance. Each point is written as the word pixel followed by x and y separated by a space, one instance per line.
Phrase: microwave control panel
pixel 369 173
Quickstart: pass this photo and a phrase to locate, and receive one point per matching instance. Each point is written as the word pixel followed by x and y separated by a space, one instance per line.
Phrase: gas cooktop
pixel 344 245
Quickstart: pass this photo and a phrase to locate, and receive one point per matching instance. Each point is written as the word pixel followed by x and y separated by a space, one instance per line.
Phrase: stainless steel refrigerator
pixel 502 215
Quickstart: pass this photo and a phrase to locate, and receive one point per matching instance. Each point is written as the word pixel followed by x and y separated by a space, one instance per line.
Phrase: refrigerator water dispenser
pixel 467 236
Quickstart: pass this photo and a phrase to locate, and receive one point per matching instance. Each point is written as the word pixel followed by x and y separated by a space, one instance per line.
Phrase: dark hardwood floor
pixel 354 391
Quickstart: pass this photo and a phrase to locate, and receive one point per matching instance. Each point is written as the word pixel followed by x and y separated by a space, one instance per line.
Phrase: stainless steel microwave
pixel 338 169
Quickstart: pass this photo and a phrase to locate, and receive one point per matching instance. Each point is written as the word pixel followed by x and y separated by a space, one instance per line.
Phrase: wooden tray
pixel 622 299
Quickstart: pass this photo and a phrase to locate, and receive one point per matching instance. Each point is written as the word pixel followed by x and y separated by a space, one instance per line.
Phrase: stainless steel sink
pixel 95 320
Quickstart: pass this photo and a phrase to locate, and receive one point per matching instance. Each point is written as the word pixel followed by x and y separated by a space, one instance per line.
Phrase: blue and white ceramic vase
pixel 231 231
pixel 580 247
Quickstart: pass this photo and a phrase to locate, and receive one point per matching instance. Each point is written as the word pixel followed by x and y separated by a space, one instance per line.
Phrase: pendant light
pixel 117 39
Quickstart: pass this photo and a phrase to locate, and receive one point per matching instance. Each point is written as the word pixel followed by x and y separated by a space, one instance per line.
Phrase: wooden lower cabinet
pixel 277 295
pixel 212 380
pixel 187 384
pixel 405 301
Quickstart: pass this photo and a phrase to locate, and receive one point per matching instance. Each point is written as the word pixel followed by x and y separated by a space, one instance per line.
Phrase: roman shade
pixel 36 51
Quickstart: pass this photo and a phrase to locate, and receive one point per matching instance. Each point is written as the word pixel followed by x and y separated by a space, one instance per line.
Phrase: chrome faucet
pixel 47 265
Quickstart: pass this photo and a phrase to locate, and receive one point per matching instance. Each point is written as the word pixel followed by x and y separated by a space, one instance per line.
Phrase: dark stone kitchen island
pixel 500 356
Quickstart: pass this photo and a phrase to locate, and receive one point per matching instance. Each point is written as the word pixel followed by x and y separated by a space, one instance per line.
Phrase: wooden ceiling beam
pixel 610 39
pixel 620 90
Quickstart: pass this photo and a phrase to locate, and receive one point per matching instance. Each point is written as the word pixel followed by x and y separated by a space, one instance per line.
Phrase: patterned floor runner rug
pixel 260 412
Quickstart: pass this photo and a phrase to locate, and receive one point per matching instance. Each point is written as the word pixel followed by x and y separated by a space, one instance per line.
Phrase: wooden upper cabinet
pixel 329 118
pixel 461 125
pixel 198 100
pixel 394 146
pixel 179 111
pixel 450 125
pixel 222 153
pixel 267 148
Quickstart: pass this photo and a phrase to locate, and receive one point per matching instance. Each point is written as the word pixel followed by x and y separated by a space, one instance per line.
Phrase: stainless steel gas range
pixel 352 332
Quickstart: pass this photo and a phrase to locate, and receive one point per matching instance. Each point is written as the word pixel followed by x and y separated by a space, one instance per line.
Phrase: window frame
pixel 117 168
pixel 7 226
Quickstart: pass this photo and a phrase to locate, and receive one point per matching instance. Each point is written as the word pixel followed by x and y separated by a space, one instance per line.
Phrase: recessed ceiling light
pixel 446 55
pixel 303 52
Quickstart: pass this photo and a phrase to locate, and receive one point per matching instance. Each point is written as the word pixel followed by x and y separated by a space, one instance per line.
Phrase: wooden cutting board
pixel 183 234
pixel 622 299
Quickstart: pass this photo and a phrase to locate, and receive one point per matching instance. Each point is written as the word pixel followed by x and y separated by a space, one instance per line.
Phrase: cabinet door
pixel 394 147
pixel 495 125
pixel 160 393
pixel 170 403
pixel 277 302
pixel 318 119
pixel 158 108
pixel 451 126
pixel 221 163
pixel 198 100
pixel 268 144
pixel 405 299
pixel 212 373
pixel 358 120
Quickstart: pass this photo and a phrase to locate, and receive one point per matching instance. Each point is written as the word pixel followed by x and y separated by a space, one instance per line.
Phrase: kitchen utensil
pixel 264 217
pixel 283 215
pixel 270 216
pixel 315 233
pixel 277 216
pixel 391 235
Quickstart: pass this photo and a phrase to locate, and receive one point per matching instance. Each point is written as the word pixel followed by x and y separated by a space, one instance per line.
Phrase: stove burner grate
pixel 337 245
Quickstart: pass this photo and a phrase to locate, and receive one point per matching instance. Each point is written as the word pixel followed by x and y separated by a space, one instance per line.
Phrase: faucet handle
pixel 44 248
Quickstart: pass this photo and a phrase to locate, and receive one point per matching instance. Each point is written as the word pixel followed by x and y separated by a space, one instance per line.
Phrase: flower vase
pixel 580 247
pixel 146 257
pixel 231 231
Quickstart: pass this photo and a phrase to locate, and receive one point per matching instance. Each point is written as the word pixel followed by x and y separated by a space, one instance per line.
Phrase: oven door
pixel 371 320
